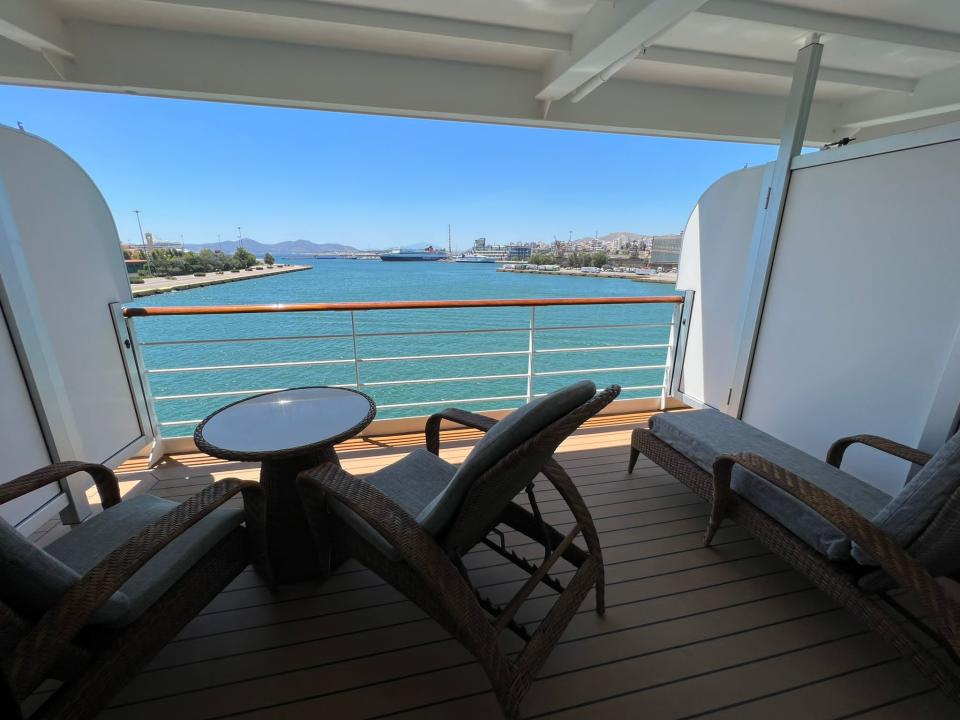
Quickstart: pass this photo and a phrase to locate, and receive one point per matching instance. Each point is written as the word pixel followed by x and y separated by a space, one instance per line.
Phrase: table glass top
pixel 286 420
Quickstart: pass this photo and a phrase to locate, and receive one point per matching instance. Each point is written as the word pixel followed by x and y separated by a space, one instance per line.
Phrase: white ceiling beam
pixel 935 94
pixel 177 64
pixel 758 66
pixel 833 23
pixel 34 24
pixel 608 33
pixel 376 19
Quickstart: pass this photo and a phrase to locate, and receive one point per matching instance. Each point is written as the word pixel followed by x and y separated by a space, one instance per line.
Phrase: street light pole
pixel 239 237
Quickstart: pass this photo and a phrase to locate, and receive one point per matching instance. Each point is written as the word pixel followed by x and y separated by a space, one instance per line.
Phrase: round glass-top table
pixel 287 431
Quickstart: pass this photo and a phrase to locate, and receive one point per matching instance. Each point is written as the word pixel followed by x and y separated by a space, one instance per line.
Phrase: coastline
pixel 157 286
pixel 663 278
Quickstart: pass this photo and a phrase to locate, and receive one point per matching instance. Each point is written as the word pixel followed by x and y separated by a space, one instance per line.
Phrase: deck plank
pixel 722 632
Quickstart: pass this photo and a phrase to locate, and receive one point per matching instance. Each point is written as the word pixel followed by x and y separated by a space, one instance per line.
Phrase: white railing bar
pixel 448 402
pixel 214 341
pixel 597 348
pixel 399 358
pixel 544 328
pixel 427 381
pixel 231 393
pixel 442 357
pixel 469 331
pixel 391 405
pixel 222 393
pixel 475 331
pixel 208 368
pixel 599 370
pixel 429 402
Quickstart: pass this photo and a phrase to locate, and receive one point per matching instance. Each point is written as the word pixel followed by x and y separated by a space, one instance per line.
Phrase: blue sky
pixel 197 169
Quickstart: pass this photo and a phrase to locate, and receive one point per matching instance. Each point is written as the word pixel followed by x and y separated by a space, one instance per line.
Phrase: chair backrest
pixel 913 509
pixel 511 455
pixel 937 547
pixel 33 580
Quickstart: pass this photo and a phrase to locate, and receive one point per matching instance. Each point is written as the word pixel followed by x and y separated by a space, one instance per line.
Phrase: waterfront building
pixel 665 250
pixel 501 253
pixel 134 265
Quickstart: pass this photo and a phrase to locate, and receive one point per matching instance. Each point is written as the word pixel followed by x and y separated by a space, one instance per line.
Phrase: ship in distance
pixel 427 254
pixel 472 257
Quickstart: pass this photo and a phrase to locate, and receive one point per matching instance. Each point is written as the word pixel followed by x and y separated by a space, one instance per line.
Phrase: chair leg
pixel 600 592
pixel 634 456
pixel 718 512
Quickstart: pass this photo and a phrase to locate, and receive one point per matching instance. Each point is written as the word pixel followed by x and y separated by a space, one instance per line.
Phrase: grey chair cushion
pixel 432 490
pixel 512 431
pixel 702 435
pixel 912 509
pixel 34 580
pixel 414 483
pixel 909 513
pixel 87 544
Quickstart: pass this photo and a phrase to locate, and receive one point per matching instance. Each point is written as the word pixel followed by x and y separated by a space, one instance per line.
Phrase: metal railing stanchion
pixel 531 350
pixel 356 355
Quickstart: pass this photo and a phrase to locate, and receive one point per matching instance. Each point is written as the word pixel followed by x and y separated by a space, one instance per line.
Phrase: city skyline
pixel 198 170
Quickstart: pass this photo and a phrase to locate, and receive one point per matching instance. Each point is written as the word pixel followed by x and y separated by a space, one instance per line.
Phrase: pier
pixel 157 285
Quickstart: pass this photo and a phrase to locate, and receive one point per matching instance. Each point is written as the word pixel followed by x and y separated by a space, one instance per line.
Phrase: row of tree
pixel 572 260
pixel 173 261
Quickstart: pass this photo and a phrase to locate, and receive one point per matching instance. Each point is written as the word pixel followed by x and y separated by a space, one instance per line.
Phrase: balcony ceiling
pixel 705 68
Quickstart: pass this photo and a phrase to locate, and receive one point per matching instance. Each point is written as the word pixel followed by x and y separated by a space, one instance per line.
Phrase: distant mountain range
pixel 288 247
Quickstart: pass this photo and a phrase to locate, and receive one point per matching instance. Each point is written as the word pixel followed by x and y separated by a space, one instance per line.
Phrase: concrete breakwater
pixel 157 285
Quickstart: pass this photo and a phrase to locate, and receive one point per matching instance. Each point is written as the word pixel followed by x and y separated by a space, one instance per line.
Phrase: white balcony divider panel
pixel 21 439
pixel 64 269
pixel 714 263
pixel 858 332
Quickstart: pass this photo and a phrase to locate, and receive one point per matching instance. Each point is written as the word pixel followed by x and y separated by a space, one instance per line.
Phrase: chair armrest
pixel 43 645
pixel 461 417
pixel 891 447
pixel 891 557
pixel 106 481
pixel 417 548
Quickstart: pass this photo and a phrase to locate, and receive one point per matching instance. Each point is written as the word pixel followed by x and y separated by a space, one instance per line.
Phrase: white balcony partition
pixel 861 328
pixel 858 332
pixel 715 264
pixel 60 268
pixel 21 440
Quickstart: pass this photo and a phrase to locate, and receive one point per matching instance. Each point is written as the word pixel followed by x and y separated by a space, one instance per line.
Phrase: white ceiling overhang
pixel 686 68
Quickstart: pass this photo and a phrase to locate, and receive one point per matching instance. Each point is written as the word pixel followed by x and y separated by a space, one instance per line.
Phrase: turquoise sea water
pixel 359 280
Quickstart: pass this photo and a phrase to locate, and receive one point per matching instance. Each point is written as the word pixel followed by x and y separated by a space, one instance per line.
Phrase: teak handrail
pixel 397 305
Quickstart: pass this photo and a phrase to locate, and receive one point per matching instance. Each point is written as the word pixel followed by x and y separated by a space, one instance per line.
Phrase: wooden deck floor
pixel 725 632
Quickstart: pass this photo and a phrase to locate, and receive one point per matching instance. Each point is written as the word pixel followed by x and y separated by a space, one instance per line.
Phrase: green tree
pixel 576 260
pixel 541 259
pixel 243 258
pixel 598 259
pixel 268 259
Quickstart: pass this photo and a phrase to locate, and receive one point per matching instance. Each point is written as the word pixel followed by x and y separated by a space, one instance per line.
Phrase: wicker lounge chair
pixel 95 605
pixel 412 523
pixel 855 542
